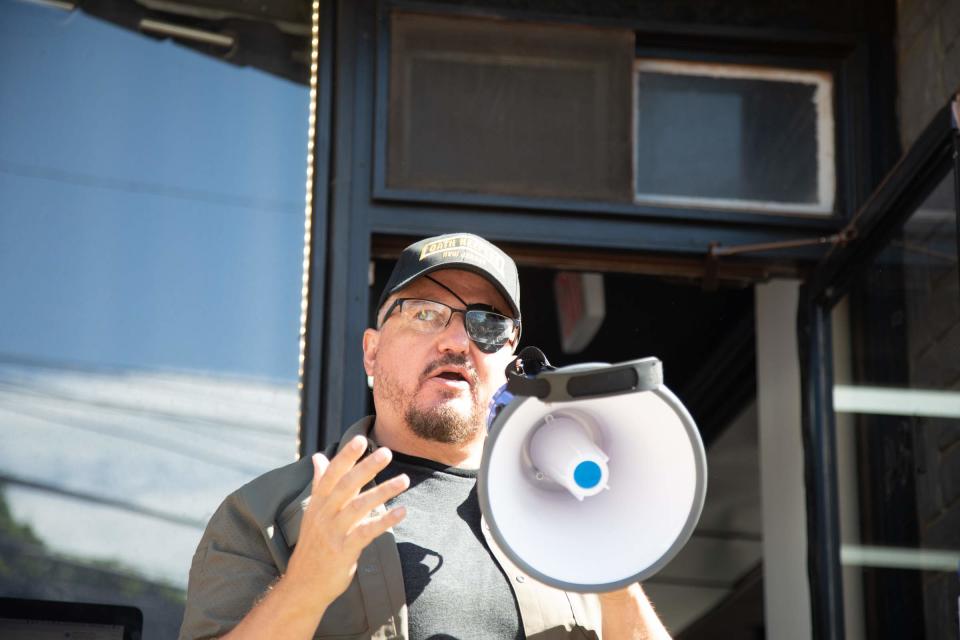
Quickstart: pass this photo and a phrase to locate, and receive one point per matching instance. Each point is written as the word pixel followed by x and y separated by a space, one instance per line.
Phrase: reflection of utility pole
pixel 83 496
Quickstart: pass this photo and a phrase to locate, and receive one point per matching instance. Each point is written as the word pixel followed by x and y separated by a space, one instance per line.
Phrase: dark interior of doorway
pixel 706 341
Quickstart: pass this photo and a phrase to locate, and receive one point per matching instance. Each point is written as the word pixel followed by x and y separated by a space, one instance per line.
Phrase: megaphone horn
pixel 593 475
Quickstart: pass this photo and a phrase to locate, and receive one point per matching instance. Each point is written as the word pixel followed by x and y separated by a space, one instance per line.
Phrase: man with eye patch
pixel 381 536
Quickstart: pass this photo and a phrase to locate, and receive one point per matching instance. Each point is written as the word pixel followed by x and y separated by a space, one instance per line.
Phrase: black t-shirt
pixel 455 588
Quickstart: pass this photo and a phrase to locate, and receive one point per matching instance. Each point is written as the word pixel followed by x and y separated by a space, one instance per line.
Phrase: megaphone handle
pixel 529 362
pixel 522 372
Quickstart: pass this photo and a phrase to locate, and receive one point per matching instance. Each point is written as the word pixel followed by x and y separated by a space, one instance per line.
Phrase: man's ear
pixel 371 341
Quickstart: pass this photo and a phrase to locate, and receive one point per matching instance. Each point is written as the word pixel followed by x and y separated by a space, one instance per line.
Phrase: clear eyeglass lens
pixel 483 327
pixel 425 315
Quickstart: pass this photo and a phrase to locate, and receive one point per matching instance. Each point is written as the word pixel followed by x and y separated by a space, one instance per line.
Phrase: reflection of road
pixel 127 465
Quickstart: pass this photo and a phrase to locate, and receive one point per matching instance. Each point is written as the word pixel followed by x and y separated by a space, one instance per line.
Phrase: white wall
pixel 785 583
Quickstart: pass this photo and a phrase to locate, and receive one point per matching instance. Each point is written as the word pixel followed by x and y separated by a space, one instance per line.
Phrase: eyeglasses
pixel 487 329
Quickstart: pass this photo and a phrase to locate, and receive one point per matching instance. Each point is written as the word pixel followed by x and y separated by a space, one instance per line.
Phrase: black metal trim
pixel 381 99
pixel 310 391
pixel 685 35
pixel 606 207
pixel 674 237
pixel 342 388
pixel 905 187
pixel 956 171
pixel 820 476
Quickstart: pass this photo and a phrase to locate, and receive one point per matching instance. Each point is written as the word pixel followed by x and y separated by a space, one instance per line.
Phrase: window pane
pixel 509 108
pixel 151 237
pixel 734 136
pixel 897 397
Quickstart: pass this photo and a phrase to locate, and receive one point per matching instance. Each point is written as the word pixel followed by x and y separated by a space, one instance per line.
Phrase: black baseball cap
pixel 456 251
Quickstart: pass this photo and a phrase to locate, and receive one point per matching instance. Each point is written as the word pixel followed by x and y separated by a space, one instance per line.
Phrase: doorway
pixel 706 341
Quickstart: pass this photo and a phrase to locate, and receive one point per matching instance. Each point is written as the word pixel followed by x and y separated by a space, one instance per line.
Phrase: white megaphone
pixel 593 476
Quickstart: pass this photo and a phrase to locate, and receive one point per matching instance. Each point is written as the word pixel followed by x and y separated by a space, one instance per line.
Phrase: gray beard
pixel 443 424
pixel 438 424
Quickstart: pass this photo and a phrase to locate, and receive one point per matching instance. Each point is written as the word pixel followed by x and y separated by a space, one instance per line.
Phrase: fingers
pixel 359 476
pixel 320 464
pixel 363 504
pixel 324 483
pixel 339 513
pixel 364 533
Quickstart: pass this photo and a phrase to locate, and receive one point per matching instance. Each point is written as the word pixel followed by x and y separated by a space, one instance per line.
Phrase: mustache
pixel 456 360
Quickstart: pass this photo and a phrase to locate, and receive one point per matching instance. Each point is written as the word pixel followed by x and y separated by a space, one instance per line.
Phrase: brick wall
pixel 928 60
pixel 928 70
pixel 932 297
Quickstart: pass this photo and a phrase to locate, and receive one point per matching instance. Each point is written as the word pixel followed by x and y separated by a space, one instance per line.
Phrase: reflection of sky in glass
pixel 732 136
pixel 151 234
pixel 169 447
pixel 150 201
pixel 671 155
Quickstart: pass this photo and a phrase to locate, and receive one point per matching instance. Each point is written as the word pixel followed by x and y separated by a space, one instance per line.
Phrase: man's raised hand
pixel 337 523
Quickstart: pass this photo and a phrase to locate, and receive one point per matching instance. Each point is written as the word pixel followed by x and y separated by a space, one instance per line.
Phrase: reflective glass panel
pixel 897 397
pixel 151 238
pixel 731 136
